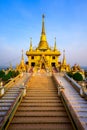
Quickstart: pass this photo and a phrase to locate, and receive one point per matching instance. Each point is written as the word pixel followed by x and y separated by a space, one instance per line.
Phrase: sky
pixel 64 19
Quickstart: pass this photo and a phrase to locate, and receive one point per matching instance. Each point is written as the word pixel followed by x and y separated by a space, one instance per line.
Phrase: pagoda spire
pixel 64 58
pixel 22 58
pixel 43 28
pixel 31 44
pixel 43 45
pixel 55 44
pixel 43 35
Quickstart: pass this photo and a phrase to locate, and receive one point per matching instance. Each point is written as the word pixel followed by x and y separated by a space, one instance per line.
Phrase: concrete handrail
pixel 66 101
pixel 11 82
pixel 79 88
pixel 73 82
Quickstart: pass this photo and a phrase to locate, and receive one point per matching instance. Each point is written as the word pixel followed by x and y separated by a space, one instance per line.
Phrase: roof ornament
pixel 22 55
pixel 43 28
pixel 30 43
pixel 55 44
pixel 64 58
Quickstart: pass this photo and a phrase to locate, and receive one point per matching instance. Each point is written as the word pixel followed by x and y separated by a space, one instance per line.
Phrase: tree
pixel 2 73
pixel 70 74
pixel 9 75
pixel 77 76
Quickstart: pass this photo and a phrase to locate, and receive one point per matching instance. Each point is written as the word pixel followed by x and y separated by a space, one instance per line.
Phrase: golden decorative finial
pixel 43 29
pixel 31 39
pixel 64 54
pixel 22 55
pixel 64 58
pixel 30 43
pixel 55 44
pixel 22 51
pixel 63 51
pixel 43 16
pixel 10 66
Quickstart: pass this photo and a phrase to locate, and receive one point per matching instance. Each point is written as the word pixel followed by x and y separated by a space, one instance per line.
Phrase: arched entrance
pixel 53 64
pixel 43 66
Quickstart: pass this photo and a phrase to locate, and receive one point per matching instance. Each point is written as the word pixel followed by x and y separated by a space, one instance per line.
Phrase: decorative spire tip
pixel 43 16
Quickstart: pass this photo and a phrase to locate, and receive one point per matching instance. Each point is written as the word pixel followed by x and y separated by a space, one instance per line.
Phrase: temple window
pixel 32 57
pixel 53 57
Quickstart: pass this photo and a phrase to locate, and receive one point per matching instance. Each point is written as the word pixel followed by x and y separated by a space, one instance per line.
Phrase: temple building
pixel 43 57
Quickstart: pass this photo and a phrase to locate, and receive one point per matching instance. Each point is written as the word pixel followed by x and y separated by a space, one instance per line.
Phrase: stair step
pixel 38 120
pixel 42 89
pixel 41 108
pixel 40 101
pixel 41 98
pixel 41 95
pixel 6 101
pixel 14 92
pixel 41 126
pixel 41 104
pixel 5 104
pixel 8 97
pixel 41 113
pixel 4 108
pixel 2 113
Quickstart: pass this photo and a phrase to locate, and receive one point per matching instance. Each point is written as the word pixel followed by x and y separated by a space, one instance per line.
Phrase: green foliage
pixel 70 74
pixel 16 73
pixel 2 73
pixel 6 77
pixel 77 76
pixel 9 75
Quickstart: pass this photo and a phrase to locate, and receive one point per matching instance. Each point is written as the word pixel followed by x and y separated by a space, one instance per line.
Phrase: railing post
pixel 1 89
pixel 60 89
pixel 24 89
pixel 24 93
pixel 22 74
pixel 82 90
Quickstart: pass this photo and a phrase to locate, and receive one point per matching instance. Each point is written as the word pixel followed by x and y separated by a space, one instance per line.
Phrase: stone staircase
pixel 41 108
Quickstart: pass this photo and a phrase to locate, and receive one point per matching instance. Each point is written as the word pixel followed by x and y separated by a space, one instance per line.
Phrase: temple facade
pixel 43 57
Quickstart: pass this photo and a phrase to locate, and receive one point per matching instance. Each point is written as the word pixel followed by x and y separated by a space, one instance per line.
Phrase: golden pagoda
pixel 64 67
pixel 21 67
pixel 42 57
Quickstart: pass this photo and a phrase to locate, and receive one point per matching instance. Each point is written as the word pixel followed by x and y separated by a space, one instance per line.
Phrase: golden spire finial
pixel 64 52
pixel 10 65
pixel 64 58
pixel 30 43
pixel 43 28
pixel 43 16
pixel 55 44
pixel 22 54
pixel 31 39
